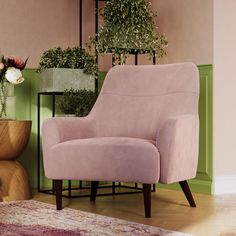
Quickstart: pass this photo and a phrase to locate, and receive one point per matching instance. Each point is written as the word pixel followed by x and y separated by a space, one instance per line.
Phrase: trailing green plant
pixel 129 26
pixel 75 58
pixel 78 102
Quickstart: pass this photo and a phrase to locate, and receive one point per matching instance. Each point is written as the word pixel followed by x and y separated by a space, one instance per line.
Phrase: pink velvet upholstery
pixel 108 158
pixel 143 128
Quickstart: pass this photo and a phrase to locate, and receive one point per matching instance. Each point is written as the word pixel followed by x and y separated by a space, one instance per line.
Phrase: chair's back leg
pixel 147 199
pixel 94 188
pixel 58 189
pixel 187 192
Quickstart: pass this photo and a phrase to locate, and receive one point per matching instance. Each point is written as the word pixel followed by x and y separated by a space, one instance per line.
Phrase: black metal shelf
pixel 112 187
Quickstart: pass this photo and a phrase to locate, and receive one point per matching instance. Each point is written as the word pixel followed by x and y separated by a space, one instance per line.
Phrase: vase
pixel 10 101
pixel 60 79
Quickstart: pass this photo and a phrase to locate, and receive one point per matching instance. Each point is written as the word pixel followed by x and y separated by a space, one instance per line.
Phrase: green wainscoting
pixel 26 108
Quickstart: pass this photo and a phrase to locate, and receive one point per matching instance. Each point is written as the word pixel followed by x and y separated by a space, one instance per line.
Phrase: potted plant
pixel 64 69
pixel 76 102
pixel 129 27
pixel 10 75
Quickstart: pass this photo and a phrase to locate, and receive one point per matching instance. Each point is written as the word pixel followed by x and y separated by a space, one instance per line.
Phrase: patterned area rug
pixel 31 218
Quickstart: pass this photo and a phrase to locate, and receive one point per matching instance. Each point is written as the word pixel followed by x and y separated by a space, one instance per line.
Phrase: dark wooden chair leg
pixel 147 199
pixel 187 192
pixel 94 188
pixel 58 189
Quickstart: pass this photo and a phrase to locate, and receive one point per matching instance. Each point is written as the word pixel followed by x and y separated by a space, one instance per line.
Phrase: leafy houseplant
pixel 65 69
pixel 10 74
pixel 74 58
pixel 78 102
pixel 129 27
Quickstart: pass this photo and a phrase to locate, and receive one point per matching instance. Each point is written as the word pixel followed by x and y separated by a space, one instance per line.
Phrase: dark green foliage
pixel 78 102
pixel 75 58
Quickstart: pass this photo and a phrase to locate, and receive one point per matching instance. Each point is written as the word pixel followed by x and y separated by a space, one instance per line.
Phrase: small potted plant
pixel 76 102
pixel 129 27
pixel 10 75
pixel 64 69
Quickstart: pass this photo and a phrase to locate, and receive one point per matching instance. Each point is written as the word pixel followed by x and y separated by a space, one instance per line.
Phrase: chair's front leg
pixel 58 189
pixel 147 199
pixel 94 187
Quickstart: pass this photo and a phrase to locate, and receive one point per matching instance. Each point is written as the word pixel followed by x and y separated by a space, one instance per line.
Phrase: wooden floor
pixel 214 215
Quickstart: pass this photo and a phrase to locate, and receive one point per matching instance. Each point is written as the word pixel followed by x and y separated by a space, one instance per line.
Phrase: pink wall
pixel 188 25
pixel 28 27
pixel 224 89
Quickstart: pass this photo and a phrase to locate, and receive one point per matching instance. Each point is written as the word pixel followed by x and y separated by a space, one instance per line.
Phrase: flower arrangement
pixel 10 72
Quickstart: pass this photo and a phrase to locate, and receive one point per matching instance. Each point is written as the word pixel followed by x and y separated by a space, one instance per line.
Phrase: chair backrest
pixel 136 100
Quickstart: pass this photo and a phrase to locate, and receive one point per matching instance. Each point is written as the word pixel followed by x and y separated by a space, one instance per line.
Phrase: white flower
pixel 14 75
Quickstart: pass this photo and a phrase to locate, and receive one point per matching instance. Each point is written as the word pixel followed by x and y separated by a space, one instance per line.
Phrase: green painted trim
pixel 205 171
pixel 26 108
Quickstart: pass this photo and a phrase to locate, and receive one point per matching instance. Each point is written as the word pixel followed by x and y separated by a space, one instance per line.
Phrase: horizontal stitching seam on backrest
pixel 164 94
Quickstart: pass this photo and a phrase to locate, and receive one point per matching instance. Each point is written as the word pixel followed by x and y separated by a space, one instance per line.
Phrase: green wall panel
pixel 206 122
pixel 26 108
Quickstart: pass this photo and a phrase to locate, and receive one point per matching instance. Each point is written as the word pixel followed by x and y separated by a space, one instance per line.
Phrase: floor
pixel 213 215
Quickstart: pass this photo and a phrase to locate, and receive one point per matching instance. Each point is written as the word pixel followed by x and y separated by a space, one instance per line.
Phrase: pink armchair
pixel 143 128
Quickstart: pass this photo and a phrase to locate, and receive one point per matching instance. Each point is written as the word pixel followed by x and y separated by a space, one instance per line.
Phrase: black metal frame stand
pixel 53 94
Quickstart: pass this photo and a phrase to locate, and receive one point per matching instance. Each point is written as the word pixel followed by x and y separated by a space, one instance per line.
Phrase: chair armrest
pixel 177 142
pixel 57 130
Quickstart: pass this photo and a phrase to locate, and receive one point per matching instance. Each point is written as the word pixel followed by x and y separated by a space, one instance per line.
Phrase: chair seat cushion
pixel 118 159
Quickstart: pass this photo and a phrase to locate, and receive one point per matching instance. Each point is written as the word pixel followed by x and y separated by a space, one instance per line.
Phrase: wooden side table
pixel 14 183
